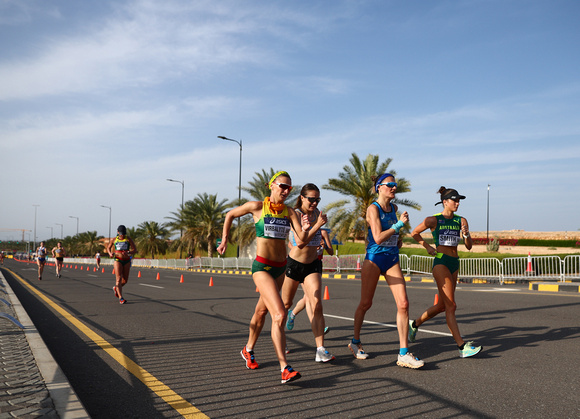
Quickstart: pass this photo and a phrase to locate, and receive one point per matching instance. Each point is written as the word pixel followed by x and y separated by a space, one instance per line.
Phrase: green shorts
pixel 275 269
pixel 123 262
pixel 446 260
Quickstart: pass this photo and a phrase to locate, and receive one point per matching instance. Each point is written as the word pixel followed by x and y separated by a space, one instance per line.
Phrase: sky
pixel 102 102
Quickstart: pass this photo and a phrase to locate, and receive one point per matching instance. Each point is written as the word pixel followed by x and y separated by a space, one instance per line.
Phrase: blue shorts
pixel 384 261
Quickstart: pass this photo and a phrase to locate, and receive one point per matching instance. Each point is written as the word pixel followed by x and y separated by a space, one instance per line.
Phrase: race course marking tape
pixel 182 406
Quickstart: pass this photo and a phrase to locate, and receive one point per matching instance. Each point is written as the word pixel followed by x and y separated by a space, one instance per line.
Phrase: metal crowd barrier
pixel 530 268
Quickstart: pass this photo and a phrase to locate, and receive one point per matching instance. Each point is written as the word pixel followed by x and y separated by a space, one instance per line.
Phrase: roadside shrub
pixel 493 246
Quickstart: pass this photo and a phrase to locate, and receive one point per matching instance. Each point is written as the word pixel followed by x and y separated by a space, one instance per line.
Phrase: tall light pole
pixel 182 203
pixel 110 211
pixel 239 183
pixel 488 185
pixel 35 208
pixel 51 232
pixel 72 216
pixel 60 230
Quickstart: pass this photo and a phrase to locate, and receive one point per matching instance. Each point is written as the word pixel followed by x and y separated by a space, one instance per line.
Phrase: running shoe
pixel 357 350
pixel 289 375
pixel 409 361
pixel 287 350
pixel 116 292
pixel 290 321
pixel 40 278
pixel 326 329
pixel 322 355
pixel 122 301
pixel 251 363
pixel 412 331
pixel 469 350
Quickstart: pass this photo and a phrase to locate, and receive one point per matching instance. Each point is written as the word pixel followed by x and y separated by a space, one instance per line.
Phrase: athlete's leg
pixel 300 305
pixel 397 285
pixel 270 301
pixel 369 280
pixel 312 285
pixel 289 288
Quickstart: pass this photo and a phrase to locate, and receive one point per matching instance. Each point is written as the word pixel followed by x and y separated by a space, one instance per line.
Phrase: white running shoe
pixel 358 351
pixel 322 355
pixel 409 361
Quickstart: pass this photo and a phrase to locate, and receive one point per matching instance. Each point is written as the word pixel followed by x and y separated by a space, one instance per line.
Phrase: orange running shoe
pixel 251 363
pixel 289 375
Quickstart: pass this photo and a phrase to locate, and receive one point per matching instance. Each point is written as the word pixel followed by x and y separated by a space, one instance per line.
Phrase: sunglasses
pixel 312 200
pixel 389 184
pixel 284 186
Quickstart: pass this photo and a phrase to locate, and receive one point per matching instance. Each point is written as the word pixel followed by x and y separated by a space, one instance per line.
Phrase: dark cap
pixel 450 194
pixel 122 229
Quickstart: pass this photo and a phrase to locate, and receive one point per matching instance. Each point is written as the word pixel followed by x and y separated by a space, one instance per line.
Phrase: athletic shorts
pixel 446 260
pixel 123 262
pixel 298 271
pixel 384 261
pixel 42 260
pixel 60 259
pixel 275 269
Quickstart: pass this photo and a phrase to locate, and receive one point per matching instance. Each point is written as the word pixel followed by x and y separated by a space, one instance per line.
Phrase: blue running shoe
pixel 469 350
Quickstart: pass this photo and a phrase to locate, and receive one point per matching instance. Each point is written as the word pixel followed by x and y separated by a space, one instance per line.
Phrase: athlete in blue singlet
pixel 383 258
pixel 447 229
pixel 273 220
pixel 41 259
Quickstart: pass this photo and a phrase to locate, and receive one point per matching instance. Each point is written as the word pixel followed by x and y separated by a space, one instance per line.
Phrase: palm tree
pixel 151 238
pixel 355 182
pixel 209 219
pixel 89 242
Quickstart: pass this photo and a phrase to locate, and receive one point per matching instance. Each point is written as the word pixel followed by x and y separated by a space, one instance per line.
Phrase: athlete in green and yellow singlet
pixel 273 220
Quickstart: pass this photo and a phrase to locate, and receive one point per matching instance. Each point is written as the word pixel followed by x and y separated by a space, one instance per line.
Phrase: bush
pixel 493 246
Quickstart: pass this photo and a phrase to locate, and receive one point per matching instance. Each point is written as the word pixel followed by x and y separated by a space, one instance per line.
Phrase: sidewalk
pixel 32 384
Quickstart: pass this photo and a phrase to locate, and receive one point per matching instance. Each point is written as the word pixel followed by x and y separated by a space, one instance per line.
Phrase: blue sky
pixel 101 102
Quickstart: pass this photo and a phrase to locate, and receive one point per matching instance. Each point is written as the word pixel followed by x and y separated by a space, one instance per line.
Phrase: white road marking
pixel 387 325
pixel 152 286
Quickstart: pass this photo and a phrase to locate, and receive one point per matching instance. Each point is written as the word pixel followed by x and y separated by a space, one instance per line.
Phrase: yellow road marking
pixel 182 406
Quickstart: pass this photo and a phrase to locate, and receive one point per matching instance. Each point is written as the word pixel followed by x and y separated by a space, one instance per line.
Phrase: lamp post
pixel 182 203
pixel 35 208
pixel 488 213
pixel 110 211
pixel 72 216
pixel 239 184
pixel 51 232
pixel 60 230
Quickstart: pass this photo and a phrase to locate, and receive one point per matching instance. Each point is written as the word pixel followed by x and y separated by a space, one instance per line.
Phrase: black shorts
pixel 298 271
pixel 60 259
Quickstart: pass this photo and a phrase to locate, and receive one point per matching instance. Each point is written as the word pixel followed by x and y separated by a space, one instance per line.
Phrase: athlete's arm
pixel 250 207
pixel 465 233
pixel 431 223
pixel 326 243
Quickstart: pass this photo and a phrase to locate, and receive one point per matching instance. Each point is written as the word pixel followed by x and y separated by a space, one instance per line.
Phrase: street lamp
pixel 110 211
pixel 60 230
pixel 35 208
pixel 239 183
pixel 72 216
pixel 488 185
pixel 51 232
pixel 182 203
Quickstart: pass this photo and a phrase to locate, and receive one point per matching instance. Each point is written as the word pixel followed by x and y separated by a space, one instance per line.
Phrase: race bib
pixel 391 241
pixel 276 228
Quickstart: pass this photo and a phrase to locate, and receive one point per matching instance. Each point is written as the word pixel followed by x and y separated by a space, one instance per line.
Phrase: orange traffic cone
pixel 529 268
pixel 103 270
pixel 257 290
pixel 326 295
pixel 139 274
pixel 157 276
pixel 95 269
pixel 211 281
pixel 358 263
pixel 181 280
pixel 113 271
pixel 75 266
pixel 436 300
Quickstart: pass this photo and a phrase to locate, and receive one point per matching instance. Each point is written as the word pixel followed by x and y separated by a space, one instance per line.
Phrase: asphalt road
pixel 173 350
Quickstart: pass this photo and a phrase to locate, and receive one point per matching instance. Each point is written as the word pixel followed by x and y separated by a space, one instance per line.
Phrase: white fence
pixel 545 268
